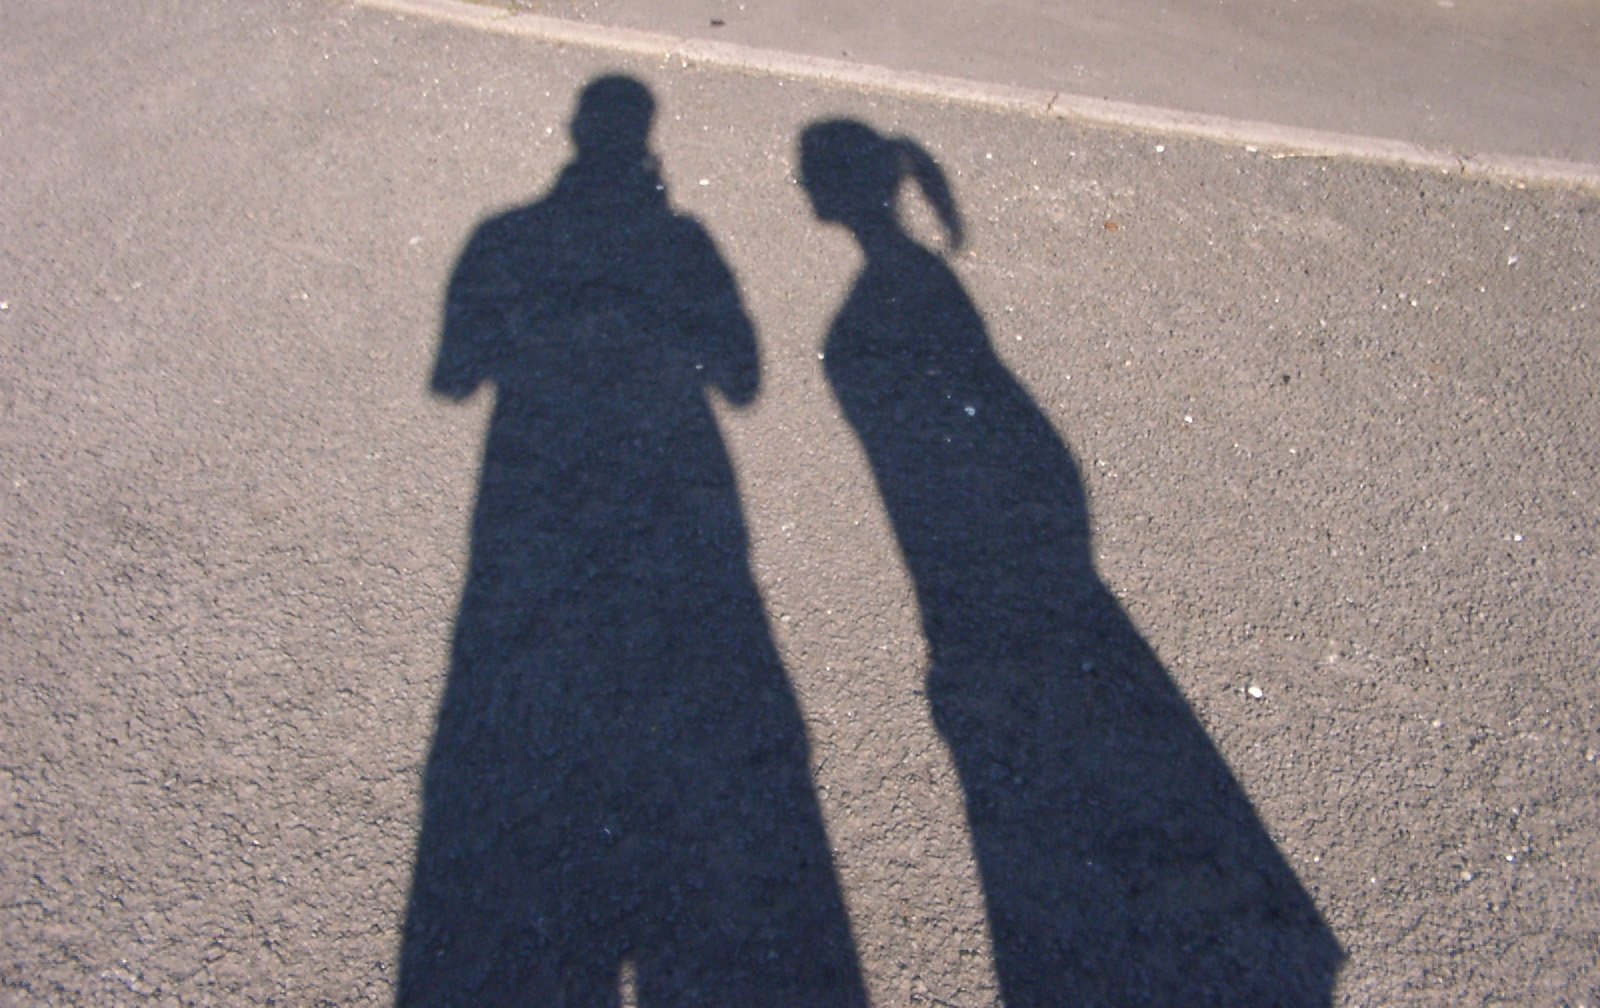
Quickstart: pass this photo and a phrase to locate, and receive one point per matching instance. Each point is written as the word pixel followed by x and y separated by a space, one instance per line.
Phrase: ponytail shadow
pixel 1121 862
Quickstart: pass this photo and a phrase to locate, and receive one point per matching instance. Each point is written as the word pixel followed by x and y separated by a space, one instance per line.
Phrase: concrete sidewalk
pixel 1335 422
pixel 1468 78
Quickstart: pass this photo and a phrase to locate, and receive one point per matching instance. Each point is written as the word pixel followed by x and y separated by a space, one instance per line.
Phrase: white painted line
pixel 1270 137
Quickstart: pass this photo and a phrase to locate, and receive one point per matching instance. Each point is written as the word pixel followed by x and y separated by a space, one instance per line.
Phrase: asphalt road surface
pixel 1469 76
pixel 487 522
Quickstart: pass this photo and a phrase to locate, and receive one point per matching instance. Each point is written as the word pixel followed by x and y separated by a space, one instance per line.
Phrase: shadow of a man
pixel 619 780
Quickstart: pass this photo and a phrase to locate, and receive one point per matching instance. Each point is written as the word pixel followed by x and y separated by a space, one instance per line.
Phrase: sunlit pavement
pixel 1334 422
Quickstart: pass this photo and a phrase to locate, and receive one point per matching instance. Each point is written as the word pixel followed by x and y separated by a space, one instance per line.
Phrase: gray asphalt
pixel 1335 422
pixel 1467 77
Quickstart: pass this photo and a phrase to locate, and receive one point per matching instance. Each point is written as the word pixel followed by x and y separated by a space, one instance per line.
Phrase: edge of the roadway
pixel 1269 137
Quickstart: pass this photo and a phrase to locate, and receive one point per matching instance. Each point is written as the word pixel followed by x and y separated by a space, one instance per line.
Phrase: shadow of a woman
pixel 619 780
pixel 1121 862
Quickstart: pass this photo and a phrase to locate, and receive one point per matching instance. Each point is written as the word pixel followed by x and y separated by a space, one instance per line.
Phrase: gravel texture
pixel 1334 427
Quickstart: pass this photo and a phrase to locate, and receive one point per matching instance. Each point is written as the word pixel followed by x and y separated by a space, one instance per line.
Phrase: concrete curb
pixel 1271 138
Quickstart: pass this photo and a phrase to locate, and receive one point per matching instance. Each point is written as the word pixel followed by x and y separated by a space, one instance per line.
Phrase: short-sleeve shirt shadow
pixel 620 772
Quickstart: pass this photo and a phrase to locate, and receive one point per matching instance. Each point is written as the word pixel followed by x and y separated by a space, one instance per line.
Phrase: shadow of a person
pixel 619 783
pixel 1121 862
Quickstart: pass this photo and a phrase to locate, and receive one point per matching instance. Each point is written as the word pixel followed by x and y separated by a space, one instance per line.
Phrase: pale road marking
pixel 1272 139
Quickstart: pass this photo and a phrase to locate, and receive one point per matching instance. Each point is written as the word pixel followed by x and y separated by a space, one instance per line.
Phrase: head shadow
pixel 612 121
pixel 1121 861
pixel 852 175
pixel 618 784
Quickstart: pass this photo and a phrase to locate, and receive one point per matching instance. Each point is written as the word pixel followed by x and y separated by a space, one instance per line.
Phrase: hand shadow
pixel 1121 862
pixel 619 782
